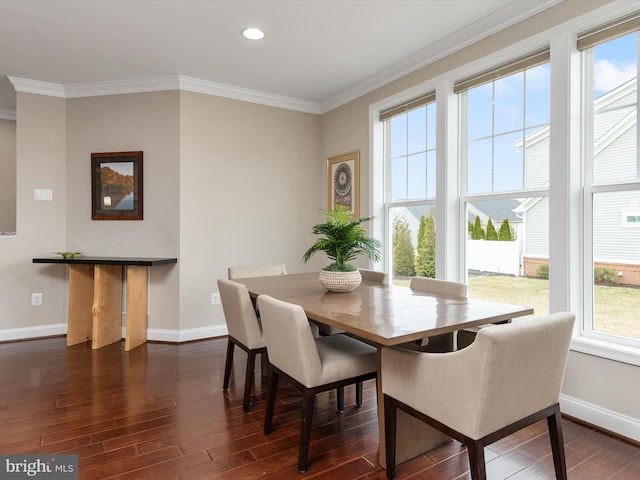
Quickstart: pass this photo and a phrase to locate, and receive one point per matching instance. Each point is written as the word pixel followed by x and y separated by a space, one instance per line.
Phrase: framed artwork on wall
pixel 343 182
pixel 116 186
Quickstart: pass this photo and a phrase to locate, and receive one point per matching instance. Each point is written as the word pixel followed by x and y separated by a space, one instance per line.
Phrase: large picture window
pixel 504 152
pixel 410 159
pixel 611 184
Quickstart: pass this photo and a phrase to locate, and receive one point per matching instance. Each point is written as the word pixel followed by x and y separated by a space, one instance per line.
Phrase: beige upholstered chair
pixel 438 287
pixel 255 271
pixel 244 331
pixel 311 364
pixel 373 276
pixel 446 288
pixel 509 378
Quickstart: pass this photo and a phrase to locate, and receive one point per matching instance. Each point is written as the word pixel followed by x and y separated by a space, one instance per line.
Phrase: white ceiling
pixel 321 52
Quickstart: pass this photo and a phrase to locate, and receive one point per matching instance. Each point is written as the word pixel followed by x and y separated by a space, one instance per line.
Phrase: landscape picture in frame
pixel 116 186
pixel 343 182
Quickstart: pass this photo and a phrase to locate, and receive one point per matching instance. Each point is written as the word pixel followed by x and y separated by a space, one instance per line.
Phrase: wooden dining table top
pixel 383 314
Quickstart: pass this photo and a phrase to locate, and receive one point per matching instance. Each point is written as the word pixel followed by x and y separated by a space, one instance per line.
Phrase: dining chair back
pixel 446 288
pixel 509 378
pixel 312 365
pixel 438 287
pixel 248 271
pixel 244 331
pixel 373 276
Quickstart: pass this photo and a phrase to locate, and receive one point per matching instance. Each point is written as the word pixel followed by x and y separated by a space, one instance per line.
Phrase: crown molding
pixel 253 96
pixel 37 87
pixel 158 84
pixel 7 114
pixel 121 87
pixel 504 18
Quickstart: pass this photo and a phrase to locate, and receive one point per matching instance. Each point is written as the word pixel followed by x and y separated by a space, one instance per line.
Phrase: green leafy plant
pixel 604 275
pixel 343 240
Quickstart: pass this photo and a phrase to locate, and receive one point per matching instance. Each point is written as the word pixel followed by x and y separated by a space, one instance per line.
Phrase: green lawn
pixel 617 308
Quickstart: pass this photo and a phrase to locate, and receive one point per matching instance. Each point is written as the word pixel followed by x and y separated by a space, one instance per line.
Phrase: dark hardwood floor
pixel 159 412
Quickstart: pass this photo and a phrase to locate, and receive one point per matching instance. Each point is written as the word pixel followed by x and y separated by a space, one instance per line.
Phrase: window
pixel 612 181
pixel 410 149
pixel 504 125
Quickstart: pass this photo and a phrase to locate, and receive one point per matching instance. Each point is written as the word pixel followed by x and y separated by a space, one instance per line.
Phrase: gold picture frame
pixel 343 182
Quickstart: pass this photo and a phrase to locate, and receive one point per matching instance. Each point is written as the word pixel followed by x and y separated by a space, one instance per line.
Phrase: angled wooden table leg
pixel 80 321
pixel 136 330
pixel 107 305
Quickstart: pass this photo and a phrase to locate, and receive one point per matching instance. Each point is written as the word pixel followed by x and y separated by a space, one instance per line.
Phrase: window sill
pixel 608 350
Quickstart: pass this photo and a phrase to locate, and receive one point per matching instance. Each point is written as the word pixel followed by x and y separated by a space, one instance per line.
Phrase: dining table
pixel 387 315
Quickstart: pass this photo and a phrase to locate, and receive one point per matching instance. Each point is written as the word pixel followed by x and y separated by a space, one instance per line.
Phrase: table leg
pixel 136 330
pixel 79 324
pixel 413 436
pixel 107 305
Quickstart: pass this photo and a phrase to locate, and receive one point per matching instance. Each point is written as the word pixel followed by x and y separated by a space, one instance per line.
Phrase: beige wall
pixel 7 176
pixel 225 182
pixel 41 226
pixel 251 179
pixel 148 122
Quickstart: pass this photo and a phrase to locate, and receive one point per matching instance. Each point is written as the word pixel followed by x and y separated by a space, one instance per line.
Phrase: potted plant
pixel 343 240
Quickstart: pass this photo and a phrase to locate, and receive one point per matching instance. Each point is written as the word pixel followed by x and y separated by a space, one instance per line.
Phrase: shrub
pixel 543 271
pixel 604 275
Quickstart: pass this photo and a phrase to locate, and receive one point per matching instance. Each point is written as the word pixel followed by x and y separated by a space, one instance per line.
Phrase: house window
pixel 410 150
pixel 611 181
pixel 630 220
pixel 504 153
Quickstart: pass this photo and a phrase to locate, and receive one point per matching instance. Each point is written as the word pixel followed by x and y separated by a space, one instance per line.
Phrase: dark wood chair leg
pixel 228 364
pixel 475 451
pixel 248 380
pixel 270 402
pixel 390 419
pixel 554 422
pixel 359 394
pixel 340 398
pixel 308 400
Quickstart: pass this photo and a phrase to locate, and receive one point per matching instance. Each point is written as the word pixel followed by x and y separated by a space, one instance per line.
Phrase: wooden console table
pixel 95 298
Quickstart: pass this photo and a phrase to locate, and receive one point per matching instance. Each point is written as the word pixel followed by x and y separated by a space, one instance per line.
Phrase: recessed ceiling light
pixel 252 33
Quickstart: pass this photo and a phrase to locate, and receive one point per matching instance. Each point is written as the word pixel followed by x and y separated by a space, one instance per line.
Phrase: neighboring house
pixel 616 233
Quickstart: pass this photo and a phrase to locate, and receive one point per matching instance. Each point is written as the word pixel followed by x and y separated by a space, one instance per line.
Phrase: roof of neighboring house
pixel 496 210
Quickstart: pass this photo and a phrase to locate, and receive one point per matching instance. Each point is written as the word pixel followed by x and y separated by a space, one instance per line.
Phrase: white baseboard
pixel 157 334
pixel 9 334
pixel 178 336
pixel 614 422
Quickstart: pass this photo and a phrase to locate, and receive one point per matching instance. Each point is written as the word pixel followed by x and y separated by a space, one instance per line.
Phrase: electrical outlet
pixel 215 298
pixel 36 299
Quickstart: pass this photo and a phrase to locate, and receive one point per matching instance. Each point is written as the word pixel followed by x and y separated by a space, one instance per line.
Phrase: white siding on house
pixel 537 229
pixel 537 162
pixel 611 240
pixel 617 161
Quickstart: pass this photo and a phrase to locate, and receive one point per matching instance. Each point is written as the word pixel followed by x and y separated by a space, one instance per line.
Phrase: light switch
pixel 42 195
